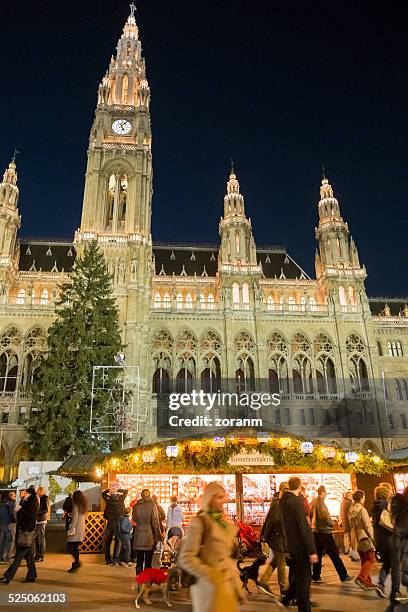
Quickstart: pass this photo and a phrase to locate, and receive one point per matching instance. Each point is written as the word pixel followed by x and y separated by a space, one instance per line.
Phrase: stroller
pixel 248 541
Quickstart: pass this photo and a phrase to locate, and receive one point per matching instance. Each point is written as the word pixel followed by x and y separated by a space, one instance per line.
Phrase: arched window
pixel 179 300
pixel 122 200
pixel 342 296
pixel 324 364
pixel 395 348
pixel 269 303
pixel 110 200
pixel 210 349
pixel 210 300
pixel 211 376
pixel 44 297
pixel 21 296
pixel 351 295
pixel 235 293
pixel 245 371
pixel 312 303
pixel 125 87
pixel 292 303
pixel 379 348
pixel 245 293
pixel 303 302
pixel 157 300
pixel 8 372
pixel 161 381
pixel 166 300
pixel 184 381
pixel 356 353
pixel 237 241
pixel 189 301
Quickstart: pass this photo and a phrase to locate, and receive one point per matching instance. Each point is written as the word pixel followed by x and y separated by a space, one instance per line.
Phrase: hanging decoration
pixel 351 457
pixel 148 456
pixel 263 437
pixel 329 452
pixel 218 442
pixel 306 448
pixel 172 451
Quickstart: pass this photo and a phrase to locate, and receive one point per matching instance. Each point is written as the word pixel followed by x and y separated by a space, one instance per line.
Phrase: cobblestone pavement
pixel 97 587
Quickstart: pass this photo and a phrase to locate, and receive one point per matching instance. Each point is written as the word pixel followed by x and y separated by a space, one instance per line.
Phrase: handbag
pixel 25 539
pixel 385 520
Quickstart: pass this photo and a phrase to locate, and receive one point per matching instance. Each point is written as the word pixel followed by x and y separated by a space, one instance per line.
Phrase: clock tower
pixel 118 190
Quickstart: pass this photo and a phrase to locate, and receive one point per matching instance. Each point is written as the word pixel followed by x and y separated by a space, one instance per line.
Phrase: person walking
pixel 25 535
pixel 206 554
pixel 13 506
pixel 77 528
pixel 272 533
pixel 399 567
pixel 383 529
pixel 345 524
pixel 362 537
pixel 125 530
pixel 146 533
pixel 300 544
pixel 322 525
pixel 6 519
pixel 42 520
pixel 67 507
pixel 114 499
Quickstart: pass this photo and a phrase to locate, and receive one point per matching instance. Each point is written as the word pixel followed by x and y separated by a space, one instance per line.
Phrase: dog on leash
pixel 250 572
pixel 146 579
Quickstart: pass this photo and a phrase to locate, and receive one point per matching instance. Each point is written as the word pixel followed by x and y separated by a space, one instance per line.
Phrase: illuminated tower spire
pixel 10 220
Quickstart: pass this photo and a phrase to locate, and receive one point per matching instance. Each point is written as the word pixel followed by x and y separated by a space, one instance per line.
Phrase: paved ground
pixel 97 587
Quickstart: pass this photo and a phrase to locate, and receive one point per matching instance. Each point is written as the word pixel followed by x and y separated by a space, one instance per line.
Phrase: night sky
pixel 280 87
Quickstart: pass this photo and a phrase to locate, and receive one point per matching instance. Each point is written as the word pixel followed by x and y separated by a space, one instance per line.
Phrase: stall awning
pixel 80 467
pixel 399 456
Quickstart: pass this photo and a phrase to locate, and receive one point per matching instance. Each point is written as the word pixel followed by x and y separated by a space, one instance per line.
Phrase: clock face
pixel 121 126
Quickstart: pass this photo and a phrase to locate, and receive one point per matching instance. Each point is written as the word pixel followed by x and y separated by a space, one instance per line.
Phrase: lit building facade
pixel 193 312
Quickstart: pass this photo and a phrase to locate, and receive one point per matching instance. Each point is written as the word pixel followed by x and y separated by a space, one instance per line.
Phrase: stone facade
pixel 200 312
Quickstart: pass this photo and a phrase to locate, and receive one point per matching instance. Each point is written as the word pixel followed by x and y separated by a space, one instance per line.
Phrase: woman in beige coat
pixel 206 555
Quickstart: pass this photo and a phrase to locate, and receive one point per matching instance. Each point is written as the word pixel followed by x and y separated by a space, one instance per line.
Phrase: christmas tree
pixel 84 334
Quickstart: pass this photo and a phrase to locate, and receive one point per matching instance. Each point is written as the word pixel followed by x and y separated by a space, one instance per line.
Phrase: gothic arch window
pixel 123 194
pixel 401 387
pixel 110 200
pixel 8 371
pixel 312 303
pixel 179 300
pixel 351 295
pixel 292 303
pixel 189 301
pixel 301 365
pixel 166 299
pixel 342 296
pixel 269 303
pixel 303 302
pixel 210 301
pixel 395 348
pixel 245 293
pixel 235 293
pixel 244 362
pixel 35 346
pixel 357 356
pixel 379 348
pixel 210 351
pixel 161 381
pixel 157 300
pixel 162 349
pixel 44 297
pixel 125 87
pixel 21 296
pixel 237 241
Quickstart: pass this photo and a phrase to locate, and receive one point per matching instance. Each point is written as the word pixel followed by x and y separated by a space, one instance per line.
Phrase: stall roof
pixel 399 456
pixel 79 466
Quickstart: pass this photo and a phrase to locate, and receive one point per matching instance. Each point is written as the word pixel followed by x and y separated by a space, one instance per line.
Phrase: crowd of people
pixel 297 535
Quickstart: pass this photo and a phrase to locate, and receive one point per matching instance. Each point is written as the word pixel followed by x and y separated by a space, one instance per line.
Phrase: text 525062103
pixel 23 599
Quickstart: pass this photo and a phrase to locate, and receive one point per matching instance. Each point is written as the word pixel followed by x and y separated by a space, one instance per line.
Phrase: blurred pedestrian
pixel 161 513
pixel 42 520
pixel 362 537
pixel 272 533
pixel 13 506
pixel 67 507
pixel 301 546
pixel 383 529
pixel 77 528
pixel 345 524
pixel 114 499
pixel 146 533
pixel 399 568
pixel 322 525
pixel 174 522
pixel 206 554
pixel 6 518
pixel 25 536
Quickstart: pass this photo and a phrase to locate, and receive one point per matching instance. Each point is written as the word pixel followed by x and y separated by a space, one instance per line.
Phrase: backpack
pixel 187 579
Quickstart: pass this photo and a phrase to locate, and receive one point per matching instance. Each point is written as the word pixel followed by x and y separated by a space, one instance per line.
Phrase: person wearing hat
pixel 206 554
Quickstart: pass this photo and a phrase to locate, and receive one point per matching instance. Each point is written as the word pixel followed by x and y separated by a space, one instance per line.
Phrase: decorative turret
pixel 10 220
pixel 337 262
pixel 237 242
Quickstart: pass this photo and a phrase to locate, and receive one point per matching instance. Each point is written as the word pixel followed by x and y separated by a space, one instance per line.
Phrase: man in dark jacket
pixel 147 531
pixel 6 518
pixel 114 499
pixel 42 520
pixel 272 533
pixel 322 525
pixel 26 523
pixel 301 546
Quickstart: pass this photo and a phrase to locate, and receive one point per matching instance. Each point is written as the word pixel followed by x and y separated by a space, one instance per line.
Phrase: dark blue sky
pixel 279 86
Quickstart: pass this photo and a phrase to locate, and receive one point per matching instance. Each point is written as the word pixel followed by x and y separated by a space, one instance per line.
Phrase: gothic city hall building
pixel 197 313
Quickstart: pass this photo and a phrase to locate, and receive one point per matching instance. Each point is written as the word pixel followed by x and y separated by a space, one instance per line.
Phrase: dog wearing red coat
pixel 146 579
